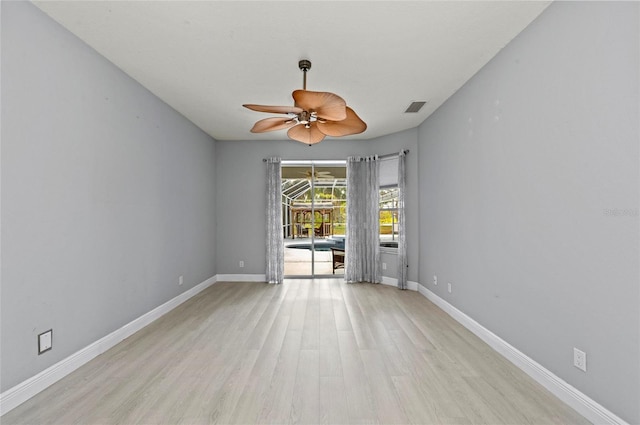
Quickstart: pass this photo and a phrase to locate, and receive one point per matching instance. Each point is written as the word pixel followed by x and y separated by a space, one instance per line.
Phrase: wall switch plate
pixel 45 341
pixel 180 280
pixel 435 279
pixel 241 263
pixel 580 359
pixel 449 287
pixel 384 266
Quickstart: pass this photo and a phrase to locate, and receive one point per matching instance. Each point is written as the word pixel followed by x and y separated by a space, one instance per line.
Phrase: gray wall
pixel 240 185
pixel 108 195
pixel 523 188
pixel 529 197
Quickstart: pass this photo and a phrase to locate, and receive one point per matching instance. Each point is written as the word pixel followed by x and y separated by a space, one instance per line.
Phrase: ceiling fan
pixel 318 175
pixel 313 116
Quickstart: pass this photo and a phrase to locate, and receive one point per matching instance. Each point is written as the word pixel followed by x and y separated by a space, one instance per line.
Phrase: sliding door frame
pixel 313 164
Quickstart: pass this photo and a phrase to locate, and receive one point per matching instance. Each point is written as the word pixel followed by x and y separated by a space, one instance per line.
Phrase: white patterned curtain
pixel 275 237
pixel 402 241
pixel 362 244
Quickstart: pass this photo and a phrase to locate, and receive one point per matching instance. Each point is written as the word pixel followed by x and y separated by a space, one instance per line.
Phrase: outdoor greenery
pixel 334 194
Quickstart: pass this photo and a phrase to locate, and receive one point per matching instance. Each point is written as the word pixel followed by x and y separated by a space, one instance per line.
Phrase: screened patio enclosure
pixel 313 216
pixel 313 205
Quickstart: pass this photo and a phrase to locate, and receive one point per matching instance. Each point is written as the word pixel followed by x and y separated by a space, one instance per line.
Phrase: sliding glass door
pixel 314 211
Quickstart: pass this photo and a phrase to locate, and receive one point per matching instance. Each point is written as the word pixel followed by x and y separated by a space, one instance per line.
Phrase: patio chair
pixel 337 256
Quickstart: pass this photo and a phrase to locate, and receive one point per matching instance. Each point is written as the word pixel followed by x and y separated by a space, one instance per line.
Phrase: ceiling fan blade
pixel 351 125
pixel 317 174
pixel 327 105
pixel 308 136
pixel 272 124
pixel 274 109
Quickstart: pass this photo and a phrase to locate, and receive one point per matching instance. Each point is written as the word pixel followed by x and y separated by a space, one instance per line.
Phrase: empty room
pixel 345 212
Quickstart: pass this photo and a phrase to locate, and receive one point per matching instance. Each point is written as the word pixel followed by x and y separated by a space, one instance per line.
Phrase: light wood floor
pixel 307 351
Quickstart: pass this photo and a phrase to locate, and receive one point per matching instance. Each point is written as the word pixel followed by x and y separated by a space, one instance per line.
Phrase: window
pixel 389 217
pixel 389 203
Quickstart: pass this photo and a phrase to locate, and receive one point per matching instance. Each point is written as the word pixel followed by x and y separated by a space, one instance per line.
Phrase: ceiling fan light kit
pixel 314 115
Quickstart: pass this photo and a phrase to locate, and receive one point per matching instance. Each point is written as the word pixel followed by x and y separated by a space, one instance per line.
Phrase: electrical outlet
pixel 435 280
pixel 45 341
pixel 580 359
pixel 241 263
pixel 449 287
pixel 180 280
pixel 384 266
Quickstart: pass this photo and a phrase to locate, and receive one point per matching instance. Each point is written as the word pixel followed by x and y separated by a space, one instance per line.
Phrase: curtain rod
pixel 387 156
pixel 392 155
pixel 310 160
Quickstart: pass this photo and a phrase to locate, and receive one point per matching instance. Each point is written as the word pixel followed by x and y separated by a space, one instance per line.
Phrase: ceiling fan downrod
pixel 304 66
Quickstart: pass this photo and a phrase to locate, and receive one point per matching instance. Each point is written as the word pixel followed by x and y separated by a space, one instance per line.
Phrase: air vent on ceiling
pixel 415 107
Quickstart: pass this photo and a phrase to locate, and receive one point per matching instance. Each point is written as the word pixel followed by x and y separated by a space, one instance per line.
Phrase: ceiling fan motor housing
pixel 304 65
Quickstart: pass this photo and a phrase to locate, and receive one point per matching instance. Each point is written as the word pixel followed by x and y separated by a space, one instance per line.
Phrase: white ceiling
pixel 207 58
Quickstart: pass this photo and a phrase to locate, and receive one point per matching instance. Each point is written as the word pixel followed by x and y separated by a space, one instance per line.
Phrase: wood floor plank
pixel 377 314
pixel 306 351
pixel 277 405
pixel 429 375
pixel 359 397
pixel 263 325
pixel 311 327
pixel 387 405
pixel 333 401
pixel 250 404
pixel 305 406
pixel 359 324
pixel 218 407
pixel 418 409
pixel 340 312
pixel 329 348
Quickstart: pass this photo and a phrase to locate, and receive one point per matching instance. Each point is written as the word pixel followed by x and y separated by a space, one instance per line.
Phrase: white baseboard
pixel 392 281
pixel 584 405
pixel 17 395
pixel 241 278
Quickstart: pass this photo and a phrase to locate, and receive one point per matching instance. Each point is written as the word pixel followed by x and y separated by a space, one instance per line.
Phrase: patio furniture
pixel 319 216
pixel 301 231
pixel 337 255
